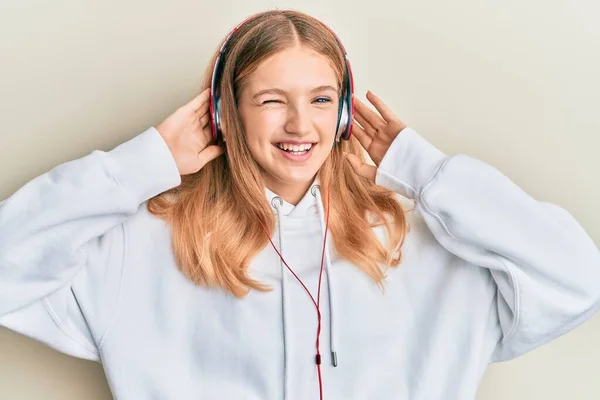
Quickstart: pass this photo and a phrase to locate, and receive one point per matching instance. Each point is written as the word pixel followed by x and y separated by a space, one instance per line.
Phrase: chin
pixel 294 179
pixel 297 180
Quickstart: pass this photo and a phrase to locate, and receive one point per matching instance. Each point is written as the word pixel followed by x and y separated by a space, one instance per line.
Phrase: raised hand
pixel 375 132
pixel 187 133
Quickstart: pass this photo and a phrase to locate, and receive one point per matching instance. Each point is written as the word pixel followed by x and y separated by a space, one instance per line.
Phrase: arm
pixel 70 220
pixel 67 219
pixel 545 266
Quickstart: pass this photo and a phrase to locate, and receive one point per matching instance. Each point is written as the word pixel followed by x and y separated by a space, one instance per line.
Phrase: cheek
pixel 326 126
pixel 327 119
pixel 255 129
pixel 262 124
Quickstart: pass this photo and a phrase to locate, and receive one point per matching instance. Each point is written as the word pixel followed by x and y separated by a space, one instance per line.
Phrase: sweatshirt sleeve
pixel 545 266
pixel 68 220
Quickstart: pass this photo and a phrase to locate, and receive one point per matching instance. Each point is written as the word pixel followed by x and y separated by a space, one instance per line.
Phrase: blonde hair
pixel 214 213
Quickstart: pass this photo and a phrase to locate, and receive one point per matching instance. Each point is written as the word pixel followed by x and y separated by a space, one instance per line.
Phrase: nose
pixel 299 120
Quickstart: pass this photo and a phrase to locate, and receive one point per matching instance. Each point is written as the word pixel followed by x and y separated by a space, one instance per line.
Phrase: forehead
pixel 298 67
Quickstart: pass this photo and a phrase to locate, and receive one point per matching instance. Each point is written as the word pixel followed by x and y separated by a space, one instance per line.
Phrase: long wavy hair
pixel 214 213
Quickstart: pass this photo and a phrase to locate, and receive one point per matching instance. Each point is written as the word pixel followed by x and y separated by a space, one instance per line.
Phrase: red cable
pixel 318 302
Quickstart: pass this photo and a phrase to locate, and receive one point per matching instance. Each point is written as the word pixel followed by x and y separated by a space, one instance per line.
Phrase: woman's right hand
pixel 187 133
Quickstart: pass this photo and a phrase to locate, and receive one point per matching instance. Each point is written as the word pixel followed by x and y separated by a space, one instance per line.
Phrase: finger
pixel 207 132
pixel 365 125
pixel 369 115
pixel 360 168
pixel 199 101
pixel 363 138
pixel 387 114
pixel 203 109
pixel 204 120
pixel 209 154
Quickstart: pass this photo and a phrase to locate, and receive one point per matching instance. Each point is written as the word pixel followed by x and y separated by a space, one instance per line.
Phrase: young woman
pixel 276 263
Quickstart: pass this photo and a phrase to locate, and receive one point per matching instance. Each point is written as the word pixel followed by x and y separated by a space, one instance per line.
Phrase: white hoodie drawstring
pixel 277 203
pixel 316 191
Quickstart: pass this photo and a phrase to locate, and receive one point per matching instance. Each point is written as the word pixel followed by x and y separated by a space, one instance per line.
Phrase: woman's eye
pixel 320 100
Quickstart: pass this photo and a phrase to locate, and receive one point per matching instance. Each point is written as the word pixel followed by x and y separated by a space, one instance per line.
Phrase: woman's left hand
pixel 374 132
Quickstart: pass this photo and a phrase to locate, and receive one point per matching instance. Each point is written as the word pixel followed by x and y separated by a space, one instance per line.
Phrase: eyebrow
pixel 282 92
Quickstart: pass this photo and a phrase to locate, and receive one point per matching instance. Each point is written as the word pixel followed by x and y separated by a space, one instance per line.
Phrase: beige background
pixel 512 82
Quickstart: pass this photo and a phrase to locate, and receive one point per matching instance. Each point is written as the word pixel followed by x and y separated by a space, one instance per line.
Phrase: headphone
pixel 346 104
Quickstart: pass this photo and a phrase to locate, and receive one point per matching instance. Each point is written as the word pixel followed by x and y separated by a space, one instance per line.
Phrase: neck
pixel 291 193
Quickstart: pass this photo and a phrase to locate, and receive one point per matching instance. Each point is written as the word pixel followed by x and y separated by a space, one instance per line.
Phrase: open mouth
pixel 295 152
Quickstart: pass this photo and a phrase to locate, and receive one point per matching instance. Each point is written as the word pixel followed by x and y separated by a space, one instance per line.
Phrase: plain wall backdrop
pixel 513 82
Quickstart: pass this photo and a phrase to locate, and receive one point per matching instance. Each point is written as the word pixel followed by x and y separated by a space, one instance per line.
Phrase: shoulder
pixel 146 230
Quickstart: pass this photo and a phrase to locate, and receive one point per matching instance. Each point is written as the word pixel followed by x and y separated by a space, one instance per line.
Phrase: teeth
pixel 296 148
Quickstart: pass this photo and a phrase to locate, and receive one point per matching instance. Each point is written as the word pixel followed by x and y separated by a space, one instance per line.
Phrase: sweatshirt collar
pixel 307 206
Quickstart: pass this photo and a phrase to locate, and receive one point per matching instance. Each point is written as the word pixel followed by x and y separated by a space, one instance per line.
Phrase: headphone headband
pixel 346 104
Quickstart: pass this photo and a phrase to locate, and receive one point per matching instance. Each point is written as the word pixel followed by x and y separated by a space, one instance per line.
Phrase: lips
pixel 294 148
pixel 295 156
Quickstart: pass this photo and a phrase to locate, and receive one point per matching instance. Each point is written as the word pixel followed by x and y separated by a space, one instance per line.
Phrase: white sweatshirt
pixel 489 273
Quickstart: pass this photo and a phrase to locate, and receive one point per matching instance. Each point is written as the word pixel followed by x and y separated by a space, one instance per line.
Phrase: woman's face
pixel 289 109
